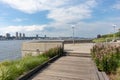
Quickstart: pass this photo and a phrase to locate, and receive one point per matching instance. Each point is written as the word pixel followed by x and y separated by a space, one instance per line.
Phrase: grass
pixel 107 37
pixel 11 70
pixel 98 40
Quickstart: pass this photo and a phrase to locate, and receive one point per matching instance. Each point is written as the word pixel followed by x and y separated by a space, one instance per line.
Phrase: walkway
pixel 71 67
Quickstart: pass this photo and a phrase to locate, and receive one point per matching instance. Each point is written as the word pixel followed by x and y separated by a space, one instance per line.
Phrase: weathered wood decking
pixel 73 67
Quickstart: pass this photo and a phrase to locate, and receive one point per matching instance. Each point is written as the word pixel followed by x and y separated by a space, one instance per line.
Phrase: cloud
pixel 117 5
pixel 83 29
pixel 27 6
pixel 73 13
pixel 30 28
pixel 33 6
pixel 59 10
pixel 62 12
pixel 18 20
pixel 69 14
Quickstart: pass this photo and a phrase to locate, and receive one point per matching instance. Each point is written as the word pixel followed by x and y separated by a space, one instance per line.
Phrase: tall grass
pixel 11 70
pixel 52 52
pixel 106 57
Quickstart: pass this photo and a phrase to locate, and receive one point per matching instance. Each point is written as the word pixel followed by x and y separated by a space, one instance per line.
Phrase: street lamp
pixel 119 32
pixel 73 26
pixel 114 31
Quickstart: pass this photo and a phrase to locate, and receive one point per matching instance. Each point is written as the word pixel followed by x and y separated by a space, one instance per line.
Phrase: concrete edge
pixel 101 74
pixel 32 72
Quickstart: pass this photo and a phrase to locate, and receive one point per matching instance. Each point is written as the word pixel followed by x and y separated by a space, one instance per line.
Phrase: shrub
pixel 52 52
pixel 106 56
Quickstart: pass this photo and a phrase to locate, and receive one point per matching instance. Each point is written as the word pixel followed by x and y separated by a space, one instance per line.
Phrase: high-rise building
pixel 20 35
pixel 23 35
pixel 7 35
pixel 16 35
pixel 45 36
pixel 37 36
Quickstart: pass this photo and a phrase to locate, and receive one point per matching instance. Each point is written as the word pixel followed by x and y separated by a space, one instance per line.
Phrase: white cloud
pixel 18 20
pixel 69 14
pixel 28 6
pixel 13 29
pixel 73 13
pixel 83 29
pixel 32 6
pixel 59 10
pixel 117 5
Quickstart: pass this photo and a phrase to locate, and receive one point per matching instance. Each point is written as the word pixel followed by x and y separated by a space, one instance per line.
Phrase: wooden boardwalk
pixel 71 67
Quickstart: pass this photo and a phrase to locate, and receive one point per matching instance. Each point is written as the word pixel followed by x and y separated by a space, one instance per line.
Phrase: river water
pixel 10 49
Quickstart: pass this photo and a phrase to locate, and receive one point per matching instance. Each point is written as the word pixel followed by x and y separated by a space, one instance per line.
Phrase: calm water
pixel 10 49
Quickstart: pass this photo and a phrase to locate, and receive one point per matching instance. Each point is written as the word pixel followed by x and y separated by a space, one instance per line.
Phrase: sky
pixel 55 18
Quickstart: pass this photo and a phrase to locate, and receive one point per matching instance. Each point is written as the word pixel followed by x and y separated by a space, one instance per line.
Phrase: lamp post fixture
pixel 114 31
pixel 73 26
pixel 119 32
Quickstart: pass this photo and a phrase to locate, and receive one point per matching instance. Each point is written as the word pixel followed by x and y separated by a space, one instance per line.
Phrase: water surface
pixel 10 49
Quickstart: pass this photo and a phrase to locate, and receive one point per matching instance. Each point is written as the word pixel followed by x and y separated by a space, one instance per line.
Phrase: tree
pixel 98 36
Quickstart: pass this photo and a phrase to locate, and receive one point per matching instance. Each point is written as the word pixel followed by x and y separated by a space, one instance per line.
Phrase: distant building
pixel 98 36
pixel 37 36
pixel 7 35
pixel 23 35
pixel 1 36
pixel 16 35
pixel 45 36
pixel 20 35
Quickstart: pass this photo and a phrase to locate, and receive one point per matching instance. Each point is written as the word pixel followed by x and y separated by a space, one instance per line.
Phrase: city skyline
pixel 56 17
pixel 16 34
pixel 20 36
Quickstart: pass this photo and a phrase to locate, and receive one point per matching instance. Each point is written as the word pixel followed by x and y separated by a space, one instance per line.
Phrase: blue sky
pixel 56 17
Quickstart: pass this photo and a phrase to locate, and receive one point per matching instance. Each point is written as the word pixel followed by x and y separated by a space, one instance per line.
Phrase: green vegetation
pixel 52 52
pixel 106 37
pixel 97 40
pixel 107 58
pixel 117 34
pixel 11 70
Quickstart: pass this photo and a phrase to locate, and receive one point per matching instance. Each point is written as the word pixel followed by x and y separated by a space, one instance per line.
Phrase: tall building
pixel 7 35
pixel 16 35
pixel 23 35
pixel 45 36
pixel 20 35
pixel 37 36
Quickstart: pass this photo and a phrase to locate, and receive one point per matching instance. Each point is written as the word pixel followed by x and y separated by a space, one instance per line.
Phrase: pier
pixel 77 64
